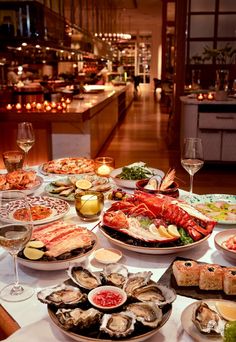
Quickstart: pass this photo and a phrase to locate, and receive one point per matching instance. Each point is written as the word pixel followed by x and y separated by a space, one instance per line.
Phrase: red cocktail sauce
pixel 107 298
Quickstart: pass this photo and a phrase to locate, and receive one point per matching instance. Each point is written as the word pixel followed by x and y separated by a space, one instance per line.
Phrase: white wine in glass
pixel 14 235
pixel 192 157
pixel 25 137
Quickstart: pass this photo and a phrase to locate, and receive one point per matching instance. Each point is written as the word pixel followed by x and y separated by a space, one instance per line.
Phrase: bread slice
pixel 186 272
pixel 229 280
pixel 211 277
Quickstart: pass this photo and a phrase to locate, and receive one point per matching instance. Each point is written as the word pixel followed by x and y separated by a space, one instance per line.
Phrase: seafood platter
pixel 43 209
pixel 219 207
pixel 127 176
pixel 54 246
pixel 207 320
pixel 225 242
pixel 201 280
pixel 67 166
pixel 66 188
pixel 125 306
pixel 26 181
pixel 155 224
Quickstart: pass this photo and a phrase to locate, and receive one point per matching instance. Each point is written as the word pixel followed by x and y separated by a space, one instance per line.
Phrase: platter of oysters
pixel 210 320
pixel 146 309
pixel 66 188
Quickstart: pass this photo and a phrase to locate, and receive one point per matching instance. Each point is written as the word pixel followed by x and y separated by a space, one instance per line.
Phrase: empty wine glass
pixel 14 235
pixel 192 157
pixel 25 138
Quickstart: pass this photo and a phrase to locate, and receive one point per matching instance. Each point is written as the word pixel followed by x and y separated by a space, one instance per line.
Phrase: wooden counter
pixel 81 130
pixel 215 123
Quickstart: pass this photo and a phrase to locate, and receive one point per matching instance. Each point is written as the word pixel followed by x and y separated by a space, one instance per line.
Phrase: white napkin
pixel 40 331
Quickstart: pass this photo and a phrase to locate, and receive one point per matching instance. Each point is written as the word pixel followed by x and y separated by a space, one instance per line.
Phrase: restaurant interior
pixel 117 170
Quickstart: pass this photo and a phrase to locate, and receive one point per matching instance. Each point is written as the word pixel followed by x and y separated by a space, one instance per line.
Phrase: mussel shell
pixel 84 277
pixel 148 313
pixel 118 324
pixel 62 295
pixel 136 280
pixel 115 274
pixel 154 292
pixel 84 318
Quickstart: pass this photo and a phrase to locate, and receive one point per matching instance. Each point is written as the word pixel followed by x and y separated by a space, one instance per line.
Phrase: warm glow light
pixel 9 107
pixel 38 106
pixel 210 96
pixel 18 106
pixel 28 106
pixel 200 97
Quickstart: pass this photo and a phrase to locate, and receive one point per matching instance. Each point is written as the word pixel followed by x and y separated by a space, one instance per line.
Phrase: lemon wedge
pixel 155 231
pixel 33 253
pixel 172 230
pixel 227 310
pixel 83 184
pixel 35 244
pixel 163 231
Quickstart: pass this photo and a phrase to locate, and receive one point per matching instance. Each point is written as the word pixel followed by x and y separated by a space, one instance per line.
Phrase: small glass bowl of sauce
pixel 107 255
pixel 107 297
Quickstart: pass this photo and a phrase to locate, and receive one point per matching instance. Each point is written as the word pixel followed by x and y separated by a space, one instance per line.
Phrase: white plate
pixel 58 206
pixel 131 184
pixel 58 264
pixel 202 199
pixel 189 327
pixel 220 238
pixel 153 250
pixel 68 162
pixel 38 183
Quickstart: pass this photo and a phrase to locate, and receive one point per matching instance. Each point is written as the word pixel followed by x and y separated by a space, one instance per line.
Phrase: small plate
pixel 38 182
pixel 58 207
pixel 107 255
pixel 131 184
pixel 189 327
pixel 220 238
pixel 211 198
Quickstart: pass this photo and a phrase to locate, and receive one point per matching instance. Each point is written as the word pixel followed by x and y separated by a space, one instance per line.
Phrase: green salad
pixel 135 173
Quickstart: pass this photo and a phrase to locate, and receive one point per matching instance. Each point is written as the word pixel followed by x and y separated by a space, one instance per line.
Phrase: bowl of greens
pixel 127 176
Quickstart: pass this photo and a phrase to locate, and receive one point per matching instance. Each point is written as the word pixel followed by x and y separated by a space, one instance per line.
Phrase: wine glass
pixel 25 138
pixel 14 235
pixel 192 157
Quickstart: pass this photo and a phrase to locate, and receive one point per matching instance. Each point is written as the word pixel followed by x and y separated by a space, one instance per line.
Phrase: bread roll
pixel 211 277
pixel 229 280
pixel 186 272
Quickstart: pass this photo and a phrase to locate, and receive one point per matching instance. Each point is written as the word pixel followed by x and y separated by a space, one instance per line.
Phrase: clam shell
pixel 157 293
pixel 84 318
pixel 84 277
pixel 62 295
pixel 149 314
pixel 118 324
pixel 136 280
pixel 115 274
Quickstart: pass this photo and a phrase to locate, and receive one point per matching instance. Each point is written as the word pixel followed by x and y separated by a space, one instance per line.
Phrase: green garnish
pixel 230 332
pixel 135 173
pixel 184 237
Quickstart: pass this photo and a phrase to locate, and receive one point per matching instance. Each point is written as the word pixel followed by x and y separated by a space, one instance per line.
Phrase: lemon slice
pixel 35 244
pixel 83 184
pixel 33 253
pixel 172 230
pixel 163 231
pixel 227 310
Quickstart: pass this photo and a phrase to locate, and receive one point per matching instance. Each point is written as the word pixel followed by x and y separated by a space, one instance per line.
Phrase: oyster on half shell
pixel 115 274
pixel 62 295
pixel 207 320
pixel 70 318
pixel 118 324
pixel 83 277
pixel 154 292
pixel 135 281
pixel 149 314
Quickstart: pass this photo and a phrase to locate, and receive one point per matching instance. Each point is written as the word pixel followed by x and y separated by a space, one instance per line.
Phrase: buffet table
pixel 33 317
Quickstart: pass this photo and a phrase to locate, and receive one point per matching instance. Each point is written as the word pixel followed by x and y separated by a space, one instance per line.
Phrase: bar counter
pixel 80 130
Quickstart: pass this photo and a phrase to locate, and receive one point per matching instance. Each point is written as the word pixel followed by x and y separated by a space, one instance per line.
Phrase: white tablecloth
pixel 32 315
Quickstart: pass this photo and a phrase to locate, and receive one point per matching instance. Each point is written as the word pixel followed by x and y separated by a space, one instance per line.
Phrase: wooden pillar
pixel 179 71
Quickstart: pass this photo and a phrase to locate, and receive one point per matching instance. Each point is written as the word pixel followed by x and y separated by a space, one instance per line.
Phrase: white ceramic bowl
pixel 219 240
pixel 131 184
pixel 101 292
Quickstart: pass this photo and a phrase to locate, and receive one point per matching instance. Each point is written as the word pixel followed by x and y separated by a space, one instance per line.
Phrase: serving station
pixel 136 258
pixel 85 124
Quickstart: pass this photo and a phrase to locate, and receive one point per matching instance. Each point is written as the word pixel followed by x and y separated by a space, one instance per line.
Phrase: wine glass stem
pixel 17 288
pixel 26 161
pixel 191 184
